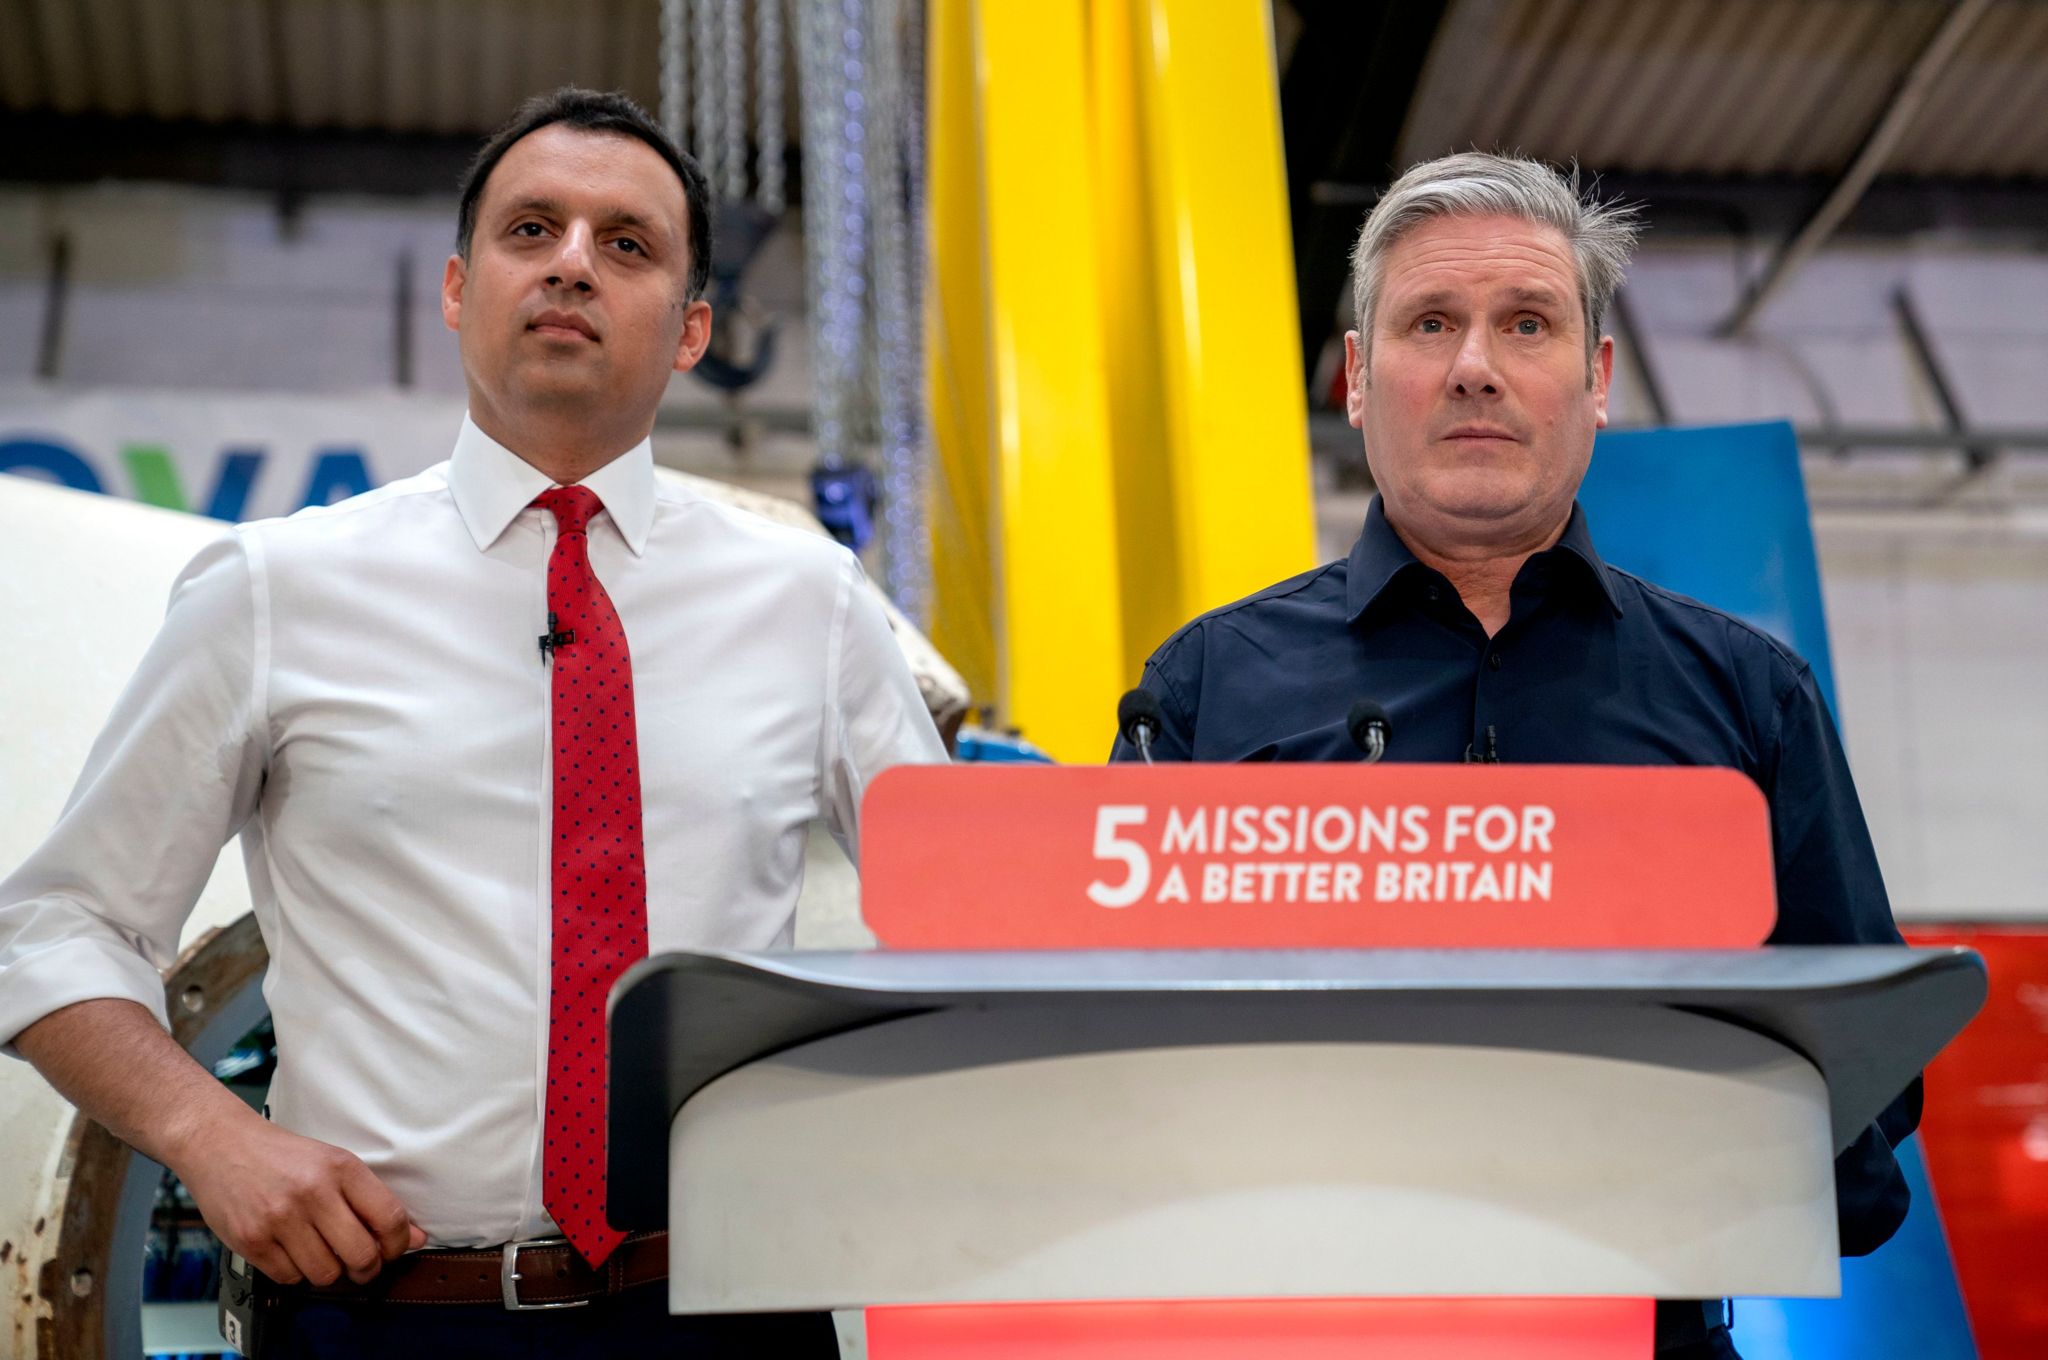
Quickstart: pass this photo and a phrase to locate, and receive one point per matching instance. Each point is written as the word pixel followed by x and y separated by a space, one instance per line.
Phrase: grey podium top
pixel 1869 1017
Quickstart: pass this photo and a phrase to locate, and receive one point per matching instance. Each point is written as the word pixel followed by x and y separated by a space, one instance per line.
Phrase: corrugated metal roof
pixel 1732 87
pixel 407 66
pixel 1724 87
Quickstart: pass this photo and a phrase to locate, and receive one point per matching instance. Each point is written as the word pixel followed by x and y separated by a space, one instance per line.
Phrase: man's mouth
pixel 558 325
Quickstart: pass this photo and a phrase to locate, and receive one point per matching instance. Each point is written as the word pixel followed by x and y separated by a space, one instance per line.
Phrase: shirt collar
pixel 1380 555
pixel 1578 541
pixel 491 485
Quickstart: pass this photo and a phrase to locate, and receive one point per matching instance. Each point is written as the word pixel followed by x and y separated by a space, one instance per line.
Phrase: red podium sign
pixel 1316 856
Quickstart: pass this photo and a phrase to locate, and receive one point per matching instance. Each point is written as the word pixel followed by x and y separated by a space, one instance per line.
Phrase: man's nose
pixel 1473 371
pixel 575 259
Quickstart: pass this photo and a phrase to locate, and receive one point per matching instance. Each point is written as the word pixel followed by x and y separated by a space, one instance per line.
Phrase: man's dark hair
pixel 594 111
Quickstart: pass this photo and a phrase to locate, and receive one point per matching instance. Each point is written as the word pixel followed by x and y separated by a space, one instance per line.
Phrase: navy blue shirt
pixel 1594 666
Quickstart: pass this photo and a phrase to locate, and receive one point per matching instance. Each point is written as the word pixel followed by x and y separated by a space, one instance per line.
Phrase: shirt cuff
pixel 70 971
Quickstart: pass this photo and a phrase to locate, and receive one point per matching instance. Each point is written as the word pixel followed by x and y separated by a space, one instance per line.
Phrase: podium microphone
pixel 1137 718
pixel 1367 723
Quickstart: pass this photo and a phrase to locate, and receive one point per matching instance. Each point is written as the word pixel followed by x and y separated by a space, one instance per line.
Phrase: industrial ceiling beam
pixel 1920 346
pixel 1863 167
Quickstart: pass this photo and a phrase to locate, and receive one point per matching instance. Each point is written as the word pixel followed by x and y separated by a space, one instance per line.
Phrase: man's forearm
pixel 113 1061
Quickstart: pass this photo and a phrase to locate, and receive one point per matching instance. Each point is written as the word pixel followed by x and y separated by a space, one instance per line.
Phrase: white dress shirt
pixel 359 691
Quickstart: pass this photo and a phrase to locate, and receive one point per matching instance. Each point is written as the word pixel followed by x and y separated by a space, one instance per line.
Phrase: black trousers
pixel 637 1323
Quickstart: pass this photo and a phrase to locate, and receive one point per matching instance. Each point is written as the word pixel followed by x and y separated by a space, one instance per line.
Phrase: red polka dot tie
pixel 599 875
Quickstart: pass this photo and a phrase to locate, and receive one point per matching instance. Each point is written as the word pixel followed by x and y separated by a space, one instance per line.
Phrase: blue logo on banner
pixel 338 472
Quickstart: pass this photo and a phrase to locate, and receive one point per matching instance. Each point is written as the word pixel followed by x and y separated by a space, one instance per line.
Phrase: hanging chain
pixel 768 96
pixel 835 213
pixel 897 385
pixel 732 92
pixel 911 539
pixel 704 52
pixel 675 20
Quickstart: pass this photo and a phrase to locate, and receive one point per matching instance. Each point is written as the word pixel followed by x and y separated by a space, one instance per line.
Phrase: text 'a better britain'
pixel 1332 853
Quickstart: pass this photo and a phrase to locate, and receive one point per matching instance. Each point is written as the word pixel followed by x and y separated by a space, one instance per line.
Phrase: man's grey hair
pixel 1482 184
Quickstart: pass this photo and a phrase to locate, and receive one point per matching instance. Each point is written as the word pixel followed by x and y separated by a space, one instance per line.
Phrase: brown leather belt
pixel 542 1273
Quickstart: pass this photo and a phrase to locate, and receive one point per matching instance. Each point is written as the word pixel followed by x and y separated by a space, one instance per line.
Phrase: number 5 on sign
pixel 1110 846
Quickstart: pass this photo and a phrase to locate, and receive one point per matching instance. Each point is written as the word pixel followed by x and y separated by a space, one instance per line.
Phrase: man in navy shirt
pixel 1476 610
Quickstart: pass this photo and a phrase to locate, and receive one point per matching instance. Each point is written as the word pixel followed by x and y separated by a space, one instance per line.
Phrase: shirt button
pixel 1433 594
pixel 1493 661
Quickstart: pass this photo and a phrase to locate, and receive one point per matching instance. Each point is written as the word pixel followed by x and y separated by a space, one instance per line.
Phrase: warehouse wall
pixel 1940 632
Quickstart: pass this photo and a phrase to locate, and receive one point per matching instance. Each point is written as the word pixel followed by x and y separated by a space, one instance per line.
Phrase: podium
pixel 835 1131
pixel 1424 1062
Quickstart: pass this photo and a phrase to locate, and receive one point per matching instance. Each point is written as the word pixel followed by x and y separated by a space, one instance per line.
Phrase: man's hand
pixel 295 1208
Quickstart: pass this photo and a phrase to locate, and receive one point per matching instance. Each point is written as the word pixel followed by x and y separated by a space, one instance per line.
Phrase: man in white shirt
pixel 373 695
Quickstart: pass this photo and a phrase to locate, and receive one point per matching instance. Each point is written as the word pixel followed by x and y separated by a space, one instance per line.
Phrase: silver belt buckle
pixel 508 1276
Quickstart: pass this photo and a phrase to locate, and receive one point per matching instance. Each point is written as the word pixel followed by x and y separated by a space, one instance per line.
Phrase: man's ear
pixel 696 337
pixel 1602 375
pixel 452 279
pixel 1354 380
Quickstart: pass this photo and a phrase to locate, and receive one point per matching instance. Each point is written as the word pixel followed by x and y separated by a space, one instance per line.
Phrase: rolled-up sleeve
pixel 96 911
pixel 874 716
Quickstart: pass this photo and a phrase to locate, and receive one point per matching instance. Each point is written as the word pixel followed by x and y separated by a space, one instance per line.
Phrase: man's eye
pixel 527 229
pixel 630 246
pixel 1430 325
pixel 1529 325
